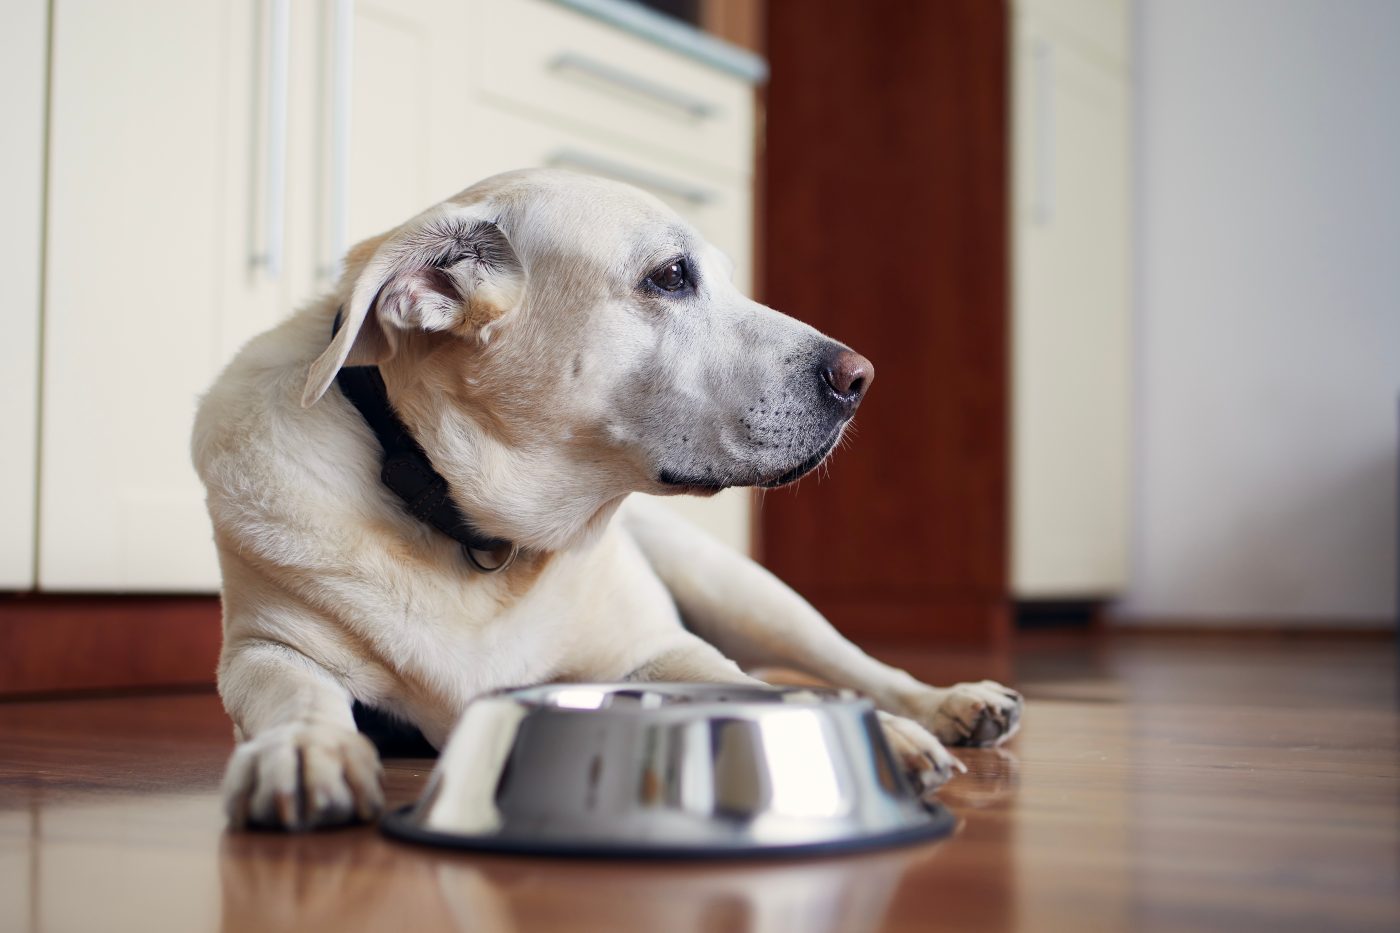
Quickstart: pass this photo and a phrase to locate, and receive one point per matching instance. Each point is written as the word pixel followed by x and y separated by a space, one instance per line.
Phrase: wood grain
pixel 736 21
pixel 1158 784
pixel 54 643
pixel 885 226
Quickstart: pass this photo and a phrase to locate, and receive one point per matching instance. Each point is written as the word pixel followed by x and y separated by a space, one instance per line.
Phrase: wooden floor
pixel 1159 783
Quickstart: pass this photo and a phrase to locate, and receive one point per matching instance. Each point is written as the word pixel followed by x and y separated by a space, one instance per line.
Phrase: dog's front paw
pixel 925 761
pixel 303 775
pixel 983 713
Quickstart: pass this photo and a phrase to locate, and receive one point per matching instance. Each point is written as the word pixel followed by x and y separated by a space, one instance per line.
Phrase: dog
pixel 549 344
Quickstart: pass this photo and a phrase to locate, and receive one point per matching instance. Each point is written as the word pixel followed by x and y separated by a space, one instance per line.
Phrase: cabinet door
pixel 578 73
pixel 150 285
pixel 22 65
pixel 383 91
pixel 1071 343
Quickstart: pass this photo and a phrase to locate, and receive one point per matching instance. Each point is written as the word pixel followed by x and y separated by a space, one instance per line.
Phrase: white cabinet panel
pixel 149 282
pixel 22 86
pixel 410 126
pixel 1072 351
pixel 1097 29
pixel 391 121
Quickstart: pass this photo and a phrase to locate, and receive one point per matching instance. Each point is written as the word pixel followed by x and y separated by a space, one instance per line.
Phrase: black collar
pixel 409 473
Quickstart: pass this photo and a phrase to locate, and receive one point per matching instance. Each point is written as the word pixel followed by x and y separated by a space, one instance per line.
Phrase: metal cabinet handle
pixel 696 107
pixel 1042 199
pixel 660 184
pixel 342 85
pixel 279 29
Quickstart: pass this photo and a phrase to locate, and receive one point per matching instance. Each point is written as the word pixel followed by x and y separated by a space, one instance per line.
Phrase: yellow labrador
pixel 548 344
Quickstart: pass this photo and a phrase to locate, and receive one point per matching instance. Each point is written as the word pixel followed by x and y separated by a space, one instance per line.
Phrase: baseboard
pixel 56 643
pixel 1058 614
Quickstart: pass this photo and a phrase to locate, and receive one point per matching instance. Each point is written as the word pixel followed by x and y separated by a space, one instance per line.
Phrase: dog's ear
pixel 447 270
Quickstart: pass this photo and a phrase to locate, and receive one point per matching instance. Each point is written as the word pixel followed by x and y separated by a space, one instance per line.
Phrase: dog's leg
pixel 756 619
pixel 693 660
pixel 300 763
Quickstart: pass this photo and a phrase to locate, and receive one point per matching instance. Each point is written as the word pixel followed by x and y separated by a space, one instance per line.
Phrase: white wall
pixel 1268 161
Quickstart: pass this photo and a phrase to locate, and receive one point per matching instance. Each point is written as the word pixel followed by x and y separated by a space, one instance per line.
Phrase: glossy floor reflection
pixel 1158 784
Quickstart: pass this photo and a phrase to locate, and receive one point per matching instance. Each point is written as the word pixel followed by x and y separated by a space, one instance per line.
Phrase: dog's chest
pixel 594 613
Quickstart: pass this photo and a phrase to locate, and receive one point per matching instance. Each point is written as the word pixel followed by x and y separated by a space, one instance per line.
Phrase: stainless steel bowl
pixel 680 770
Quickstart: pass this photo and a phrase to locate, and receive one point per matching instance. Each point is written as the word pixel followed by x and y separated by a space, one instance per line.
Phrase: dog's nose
pixel 847 374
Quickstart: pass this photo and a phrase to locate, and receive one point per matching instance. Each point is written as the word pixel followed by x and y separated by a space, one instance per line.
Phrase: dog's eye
pixel 671 277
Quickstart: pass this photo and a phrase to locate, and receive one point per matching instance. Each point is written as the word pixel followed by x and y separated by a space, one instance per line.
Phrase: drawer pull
pixel 696 107
pixel 618 171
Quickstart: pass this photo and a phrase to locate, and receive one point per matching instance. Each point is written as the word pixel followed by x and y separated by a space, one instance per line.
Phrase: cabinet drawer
pixel 718 203
pixel 592 78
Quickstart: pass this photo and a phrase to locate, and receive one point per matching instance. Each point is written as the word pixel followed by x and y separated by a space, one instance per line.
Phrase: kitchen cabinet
pixel 1071 305
pixel 150 282
pixel 209 161
pixel 22 73
pixel 199 181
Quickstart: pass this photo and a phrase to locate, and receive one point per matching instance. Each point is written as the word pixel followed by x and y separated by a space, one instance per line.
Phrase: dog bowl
pixel 668 770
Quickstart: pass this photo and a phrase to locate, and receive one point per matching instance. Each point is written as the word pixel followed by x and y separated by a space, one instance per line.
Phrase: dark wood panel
pixel 943 616
pixel 885 226
pixel 57 643
pixel 736 21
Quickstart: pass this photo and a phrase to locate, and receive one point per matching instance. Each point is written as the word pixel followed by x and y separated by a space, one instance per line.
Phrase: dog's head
pixel 558 341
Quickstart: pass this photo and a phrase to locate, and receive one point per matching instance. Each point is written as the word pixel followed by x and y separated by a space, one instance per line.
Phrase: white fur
pixel 547 382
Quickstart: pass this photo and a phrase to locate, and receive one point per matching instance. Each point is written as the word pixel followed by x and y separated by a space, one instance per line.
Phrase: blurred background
pixel 1128 272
